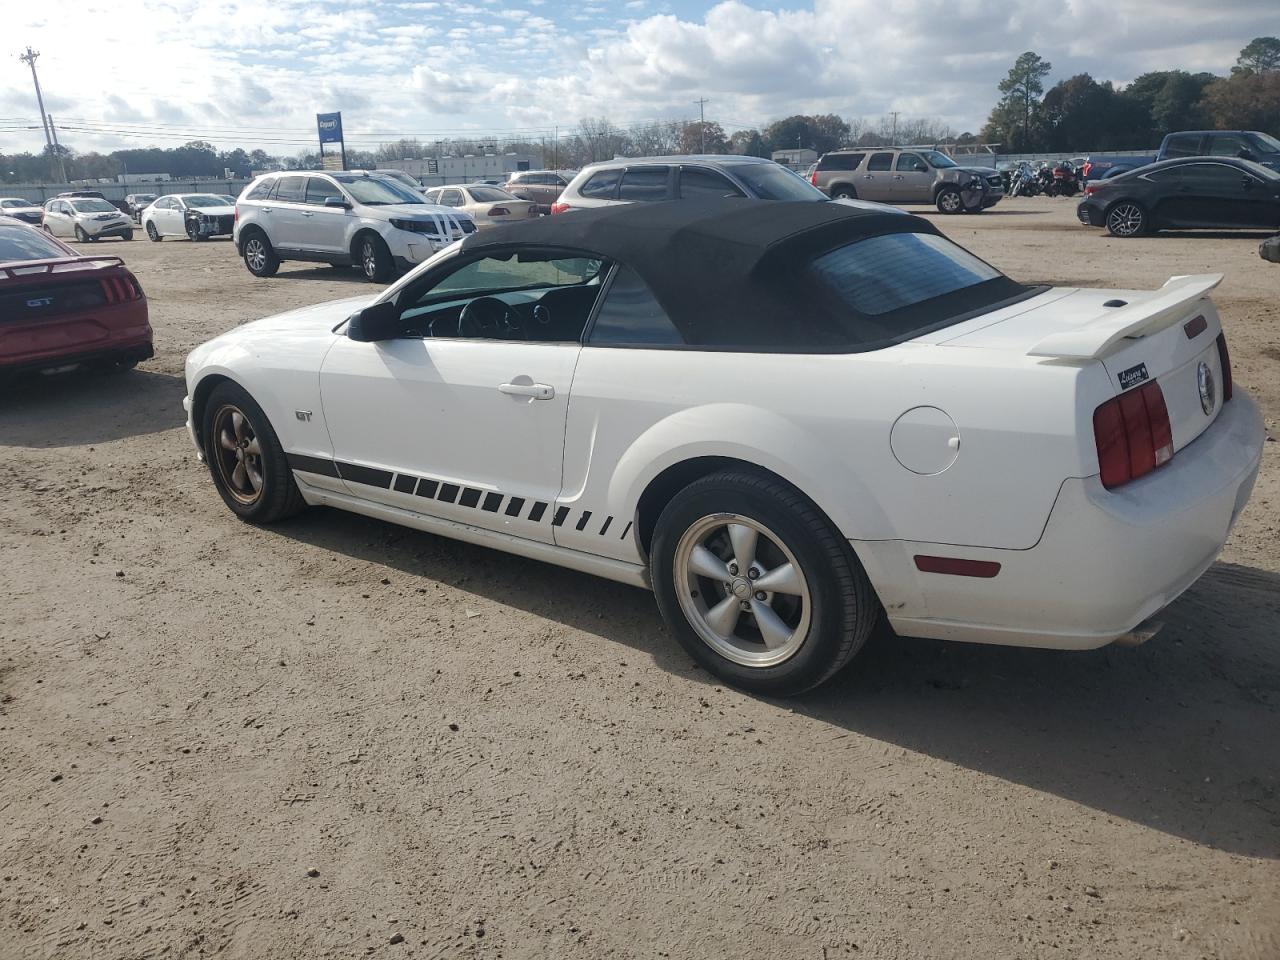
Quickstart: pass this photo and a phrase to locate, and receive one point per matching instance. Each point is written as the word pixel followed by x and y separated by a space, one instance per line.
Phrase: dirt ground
pixel 340 738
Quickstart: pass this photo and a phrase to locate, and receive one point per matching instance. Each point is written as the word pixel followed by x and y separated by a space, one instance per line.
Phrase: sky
pixel 121 73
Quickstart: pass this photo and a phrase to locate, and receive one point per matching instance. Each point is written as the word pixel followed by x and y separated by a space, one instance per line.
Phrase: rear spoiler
pixel 1165 306
pixel 18 269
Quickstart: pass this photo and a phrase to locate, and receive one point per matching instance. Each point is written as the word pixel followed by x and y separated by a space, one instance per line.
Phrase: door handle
pixel 265 209
pixel 897 176
pixel 867 176
pixel 307 213
pixel 535 391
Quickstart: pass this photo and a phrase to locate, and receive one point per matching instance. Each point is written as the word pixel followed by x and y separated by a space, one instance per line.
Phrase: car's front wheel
pixel 1126 219
pixel 757 585
pixel 152 232
pixel 375 259
pixel 245 458
pixel 81 235
pixel 949 200
pixel 259 258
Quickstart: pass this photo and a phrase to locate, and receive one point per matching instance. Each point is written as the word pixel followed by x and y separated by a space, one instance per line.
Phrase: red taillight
pixel 1133 435
pixel 1224 359
pixel 813 177
pixel 1090 189
pixel 559 207
pixel 235 216
pixel 498 211
pixel 121 288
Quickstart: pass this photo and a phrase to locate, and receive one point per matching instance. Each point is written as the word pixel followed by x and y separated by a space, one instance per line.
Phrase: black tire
pixel 153 234
pixel 1126 218
pixel 949 201
pixel 127 235
pixel 277 496
pixel 374 259
pixel 81 235
pixel 843 608
pixel 259 257
pixel 844 192
pixel 193 232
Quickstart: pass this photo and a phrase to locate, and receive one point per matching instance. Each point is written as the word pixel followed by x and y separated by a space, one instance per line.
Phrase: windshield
pixel 939 159
pixel 489 194
pixel 1268 141
pixel 524 271
pixel 93 206
pixel 768 181
pixel 377 191
pixel 144 197
pixel 205 200
pixel 25 243
pixel 8 204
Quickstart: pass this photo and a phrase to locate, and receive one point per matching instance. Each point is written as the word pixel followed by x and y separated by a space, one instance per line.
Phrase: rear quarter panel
pixel 823 422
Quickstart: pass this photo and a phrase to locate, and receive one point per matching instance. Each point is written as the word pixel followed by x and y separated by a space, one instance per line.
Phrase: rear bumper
pixel 1108 560
pixel 1090 214
pixel 120 332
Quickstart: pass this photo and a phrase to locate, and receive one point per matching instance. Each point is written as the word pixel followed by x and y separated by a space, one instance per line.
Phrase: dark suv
pixel 1245 144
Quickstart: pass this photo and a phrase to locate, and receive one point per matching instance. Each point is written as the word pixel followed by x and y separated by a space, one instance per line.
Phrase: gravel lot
pixel 337 738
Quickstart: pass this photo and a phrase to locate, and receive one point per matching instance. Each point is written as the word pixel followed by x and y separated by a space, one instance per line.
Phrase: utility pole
pixel 702 124
pixel 894 114
pixel 29 58
pixel 57 149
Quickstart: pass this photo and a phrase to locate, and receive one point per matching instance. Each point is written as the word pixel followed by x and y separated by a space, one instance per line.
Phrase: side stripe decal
pixel 490 501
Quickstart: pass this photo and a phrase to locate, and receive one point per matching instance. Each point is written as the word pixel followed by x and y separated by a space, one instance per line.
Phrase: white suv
pixel 343 218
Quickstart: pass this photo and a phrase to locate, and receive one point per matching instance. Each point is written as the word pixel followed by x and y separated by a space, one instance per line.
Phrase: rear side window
pixel 644 184
pixel 261 190
pixel 1188 146
pixel 880 161
pixel 699 182
pixel 841 161
pixel 896 286
pixel 602 185
pixel 631 316
pixel 291 189
pixel 1228 145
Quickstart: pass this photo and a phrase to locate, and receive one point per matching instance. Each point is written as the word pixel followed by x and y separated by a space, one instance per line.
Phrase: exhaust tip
pixel 1139 634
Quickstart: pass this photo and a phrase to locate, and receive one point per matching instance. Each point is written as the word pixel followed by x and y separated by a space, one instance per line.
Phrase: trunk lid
pixel 1168 335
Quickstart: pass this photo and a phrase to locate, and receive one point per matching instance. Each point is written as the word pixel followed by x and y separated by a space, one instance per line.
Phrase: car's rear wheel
pixel 152 232
pixel 1126 219
pixel 844 193
pixel 259 258
pixel 375 259
pixel 949 200
pixel 247 463
pixel 757 585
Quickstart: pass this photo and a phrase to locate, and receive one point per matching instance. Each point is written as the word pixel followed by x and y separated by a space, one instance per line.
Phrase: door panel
pixel 876 180
pixel 912 180
pixel 461 423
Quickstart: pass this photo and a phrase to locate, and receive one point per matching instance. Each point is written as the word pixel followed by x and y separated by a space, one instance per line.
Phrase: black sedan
pixel 1190 193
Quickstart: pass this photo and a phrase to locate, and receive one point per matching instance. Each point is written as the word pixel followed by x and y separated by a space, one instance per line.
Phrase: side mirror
pixel 337 202
pixel 378 321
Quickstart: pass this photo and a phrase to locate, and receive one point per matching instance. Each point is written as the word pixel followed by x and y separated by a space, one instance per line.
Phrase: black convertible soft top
pixel 726 271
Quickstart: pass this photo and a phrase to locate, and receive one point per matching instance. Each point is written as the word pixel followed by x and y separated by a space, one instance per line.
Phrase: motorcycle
pixel 1023 182
pixel 1065 181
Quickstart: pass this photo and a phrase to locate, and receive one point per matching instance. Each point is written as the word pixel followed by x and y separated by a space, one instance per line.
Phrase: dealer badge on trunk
pixel 1208 390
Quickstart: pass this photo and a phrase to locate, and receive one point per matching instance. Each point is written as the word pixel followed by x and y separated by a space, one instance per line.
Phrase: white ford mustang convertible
pixel 783 418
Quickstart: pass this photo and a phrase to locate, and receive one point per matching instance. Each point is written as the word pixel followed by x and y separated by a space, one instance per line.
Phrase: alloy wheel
pixel 369 259
pixel 1125 219
pixel 950 201
pixel 255 253
pixel 238 454
pixel 742 590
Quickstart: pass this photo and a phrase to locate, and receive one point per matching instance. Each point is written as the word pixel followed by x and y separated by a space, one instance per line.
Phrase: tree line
pixel 1076 114
pixel 1080 113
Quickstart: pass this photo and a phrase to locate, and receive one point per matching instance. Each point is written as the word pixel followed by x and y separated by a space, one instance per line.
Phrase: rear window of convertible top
pixel 889 288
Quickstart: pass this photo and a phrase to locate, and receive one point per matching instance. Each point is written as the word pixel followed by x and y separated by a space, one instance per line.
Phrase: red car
pixel 60 309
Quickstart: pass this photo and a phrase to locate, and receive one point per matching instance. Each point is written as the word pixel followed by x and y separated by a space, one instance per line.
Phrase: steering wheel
pixel 490 318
